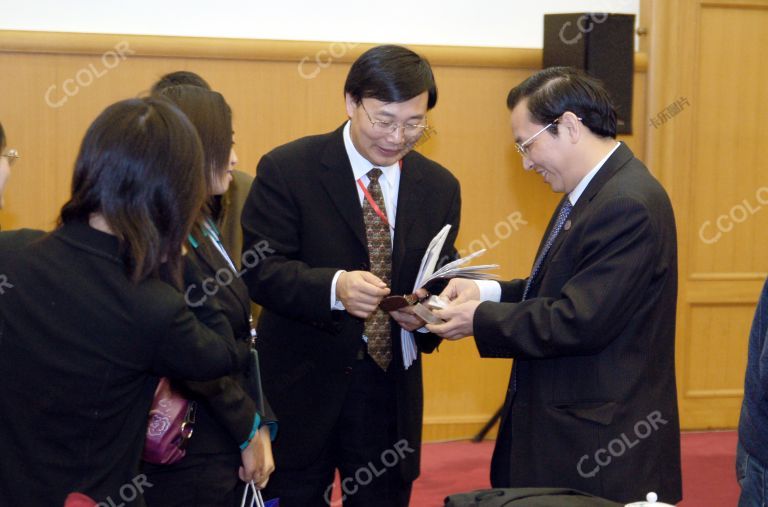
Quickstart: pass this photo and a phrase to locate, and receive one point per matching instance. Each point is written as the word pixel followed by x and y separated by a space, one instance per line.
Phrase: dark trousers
pixel 364 448
pixel 198 480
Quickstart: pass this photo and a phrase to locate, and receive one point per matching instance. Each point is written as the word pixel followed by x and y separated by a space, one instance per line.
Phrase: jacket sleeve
pixel 229 404
pixel 271 226
pixel 197 342
pixel 512 291
pixel 612 269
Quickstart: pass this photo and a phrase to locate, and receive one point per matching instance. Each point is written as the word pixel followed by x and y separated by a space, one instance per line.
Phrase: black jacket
pixel 81 349
pixel 225 407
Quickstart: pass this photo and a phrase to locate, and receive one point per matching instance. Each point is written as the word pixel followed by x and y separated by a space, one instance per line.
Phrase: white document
pixel 427 273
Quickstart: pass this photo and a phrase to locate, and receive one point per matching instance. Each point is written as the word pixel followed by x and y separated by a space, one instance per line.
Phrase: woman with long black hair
pixel 231 440
pixel 93 313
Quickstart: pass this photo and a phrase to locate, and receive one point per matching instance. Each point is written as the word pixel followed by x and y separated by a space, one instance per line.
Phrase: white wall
pixel 502 23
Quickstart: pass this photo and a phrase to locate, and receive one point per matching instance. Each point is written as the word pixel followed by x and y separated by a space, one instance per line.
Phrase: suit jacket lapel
pixel 206 253
pixel 616 161
pixel 410 204
pixel 339 182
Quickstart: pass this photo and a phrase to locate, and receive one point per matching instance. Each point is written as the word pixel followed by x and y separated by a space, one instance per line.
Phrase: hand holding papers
pixel 427 274
pixel 424 310
pixel 457 319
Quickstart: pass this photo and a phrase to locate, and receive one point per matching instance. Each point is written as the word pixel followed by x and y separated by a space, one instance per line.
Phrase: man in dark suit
pixel 591 403
pixel 339 221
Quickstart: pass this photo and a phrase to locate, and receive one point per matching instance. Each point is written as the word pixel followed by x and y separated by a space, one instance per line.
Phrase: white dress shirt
pixel 390 186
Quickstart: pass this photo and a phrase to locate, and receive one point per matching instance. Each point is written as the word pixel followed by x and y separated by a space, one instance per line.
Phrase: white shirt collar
pixel 361 165
pixel 576 192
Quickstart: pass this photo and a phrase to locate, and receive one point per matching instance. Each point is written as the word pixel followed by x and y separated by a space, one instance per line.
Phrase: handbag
pixel 169 427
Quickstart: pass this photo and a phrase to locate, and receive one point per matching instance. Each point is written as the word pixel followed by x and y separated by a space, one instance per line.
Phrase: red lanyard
pixel 373 204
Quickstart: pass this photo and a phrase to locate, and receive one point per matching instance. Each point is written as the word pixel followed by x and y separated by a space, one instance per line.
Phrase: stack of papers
pixel 427 273
pixel 455 270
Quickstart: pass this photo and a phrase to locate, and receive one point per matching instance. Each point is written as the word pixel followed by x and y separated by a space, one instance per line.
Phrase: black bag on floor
pixel 527 497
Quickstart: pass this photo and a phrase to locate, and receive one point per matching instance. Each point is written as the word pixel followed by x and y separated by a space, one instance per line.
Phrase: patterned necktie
pixel 377 327
pixel 561 218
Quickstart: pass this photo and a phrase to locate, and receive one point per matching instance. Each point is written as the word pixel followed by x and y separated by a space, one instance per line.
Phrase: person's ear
pixel 351 104
pixel 571 126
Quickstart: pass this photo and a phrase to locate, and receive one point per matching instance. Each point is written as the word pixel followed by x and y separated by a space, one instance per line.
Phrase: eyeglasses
pixel 388 127
pixel 522 148
pixel 11 155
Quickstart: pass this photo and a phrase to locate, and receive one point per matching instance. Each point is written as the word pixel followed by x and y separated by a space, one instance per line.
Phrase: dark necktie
pixel 561 218
pixel 377 327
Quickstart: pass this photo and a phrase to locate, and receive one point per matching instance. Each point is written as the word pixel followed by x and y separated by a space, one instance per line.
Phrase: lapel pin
pixel 567 225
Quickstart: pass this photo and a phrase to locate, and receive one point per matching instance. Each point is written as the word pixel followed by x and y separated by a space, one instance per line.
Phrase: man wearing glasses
pixel 345 219
pixel 591 403
pixel 7 158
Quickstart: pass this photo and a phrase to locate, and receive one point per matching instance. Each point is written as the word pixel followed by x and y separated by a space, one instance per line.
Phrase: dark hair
pixel 553 91
pixel 140 166
pixel 212 117
pixel 179 77
pixel 2 138
pixel 391 73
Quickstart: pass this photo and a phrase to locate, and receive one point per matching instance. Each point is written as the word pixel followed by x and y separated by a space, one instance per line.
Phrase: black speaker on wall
pixel 601 44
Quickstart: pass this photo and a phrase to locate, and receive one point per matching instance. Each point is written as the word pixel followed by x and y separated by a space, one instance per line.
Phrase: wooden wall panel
pixel 720 372
pixel 504 208
pixel 730 203
pixel 709 158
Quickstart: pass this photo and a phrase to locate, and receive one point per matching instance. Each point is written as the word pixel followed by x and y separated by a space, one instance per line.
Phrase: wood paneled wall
pixel 53 85
pixel 710 158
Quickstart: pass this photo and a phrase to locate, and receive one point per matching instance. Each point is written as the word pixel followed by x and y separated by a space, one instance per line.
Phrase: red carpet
pixel 708 470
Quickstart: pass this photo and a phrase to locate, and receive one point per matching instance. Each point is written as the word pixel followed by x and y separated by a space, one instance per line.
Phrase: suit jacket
pixel 81 350
pixel 595 406
pixel 305 215
pixel 225 409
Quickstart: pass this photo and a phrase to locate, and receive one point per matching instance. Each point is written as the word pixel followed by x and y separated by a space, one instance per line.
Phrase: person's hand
pixel 459 320
pixel 360 292
pixel 459 290
pixel 406 318
pixel 258 463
